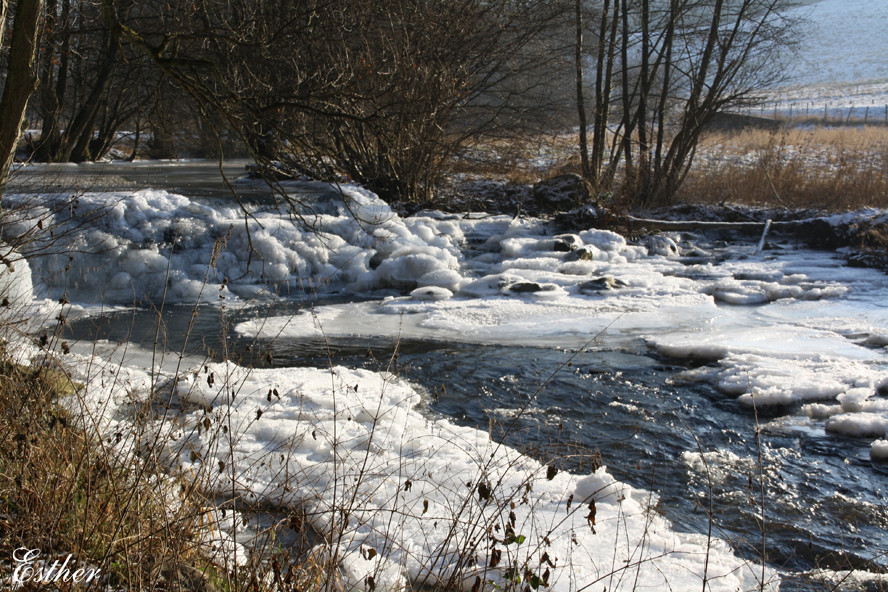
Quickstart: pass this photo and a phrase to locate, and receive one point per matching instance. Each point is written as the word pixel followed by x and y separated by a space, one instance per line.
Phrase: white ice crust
pixel 16 292
pixel 788 327
pixel 153 245
pixel 404 500
pixel 791 328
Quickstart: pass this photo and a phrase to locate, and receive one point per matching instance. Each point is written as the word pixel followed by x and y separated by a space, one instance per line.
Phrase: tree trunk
pixel 642 111
pixel 581 106
pixel 627 98
pixel 80 130
pixel 603 75
pixel 665 89
pixel 21 80
pixel 53 80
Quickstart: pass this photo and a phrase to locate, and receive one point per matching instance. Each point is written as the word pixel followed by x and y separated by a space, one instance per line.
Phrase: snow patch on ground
pixel 840 64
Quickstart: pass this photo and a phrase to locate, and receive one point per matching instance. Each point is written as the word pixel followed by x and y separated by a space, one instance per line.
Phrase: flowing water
pixel 772 483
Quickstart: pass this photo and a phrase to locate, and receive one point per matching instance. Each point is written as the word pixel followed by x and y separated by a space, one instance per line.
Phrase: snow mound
pixel 16 293
pixel 16 288
pixel 152 244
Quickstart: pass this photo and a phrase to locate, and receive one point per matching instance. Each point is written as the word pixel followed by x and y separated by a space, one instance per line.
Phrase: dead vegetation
pixel 62 492
pixel 827 169
pixel 830 169
pixel 66 492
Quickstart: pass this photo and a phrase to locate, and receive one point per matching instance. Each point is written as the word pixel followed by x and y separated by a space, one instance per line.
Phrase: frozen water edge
pixel 403 500
pixel 763 319
pixel 494 279
pixel 787 328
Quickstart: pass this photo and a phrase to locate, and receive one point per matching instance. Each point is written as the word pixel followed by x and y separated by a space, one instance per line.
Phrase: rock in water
pixel 601 284
pixel 661 244
pixel 565 243
pixel 584 253
pixel 525 288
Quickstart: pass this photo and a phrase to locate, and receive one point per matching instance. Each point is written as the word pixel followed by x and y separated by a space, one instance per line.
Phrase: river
pixel 736 385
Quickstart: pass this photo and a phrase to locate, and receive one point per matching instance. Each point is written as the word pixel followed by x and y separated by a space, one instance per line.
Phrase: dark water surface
pixel 820 500
pixel 773 485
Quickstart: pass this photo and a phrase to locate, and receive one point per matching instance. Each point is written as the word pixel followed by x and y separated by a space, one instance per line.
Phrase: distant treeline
pixel 388 92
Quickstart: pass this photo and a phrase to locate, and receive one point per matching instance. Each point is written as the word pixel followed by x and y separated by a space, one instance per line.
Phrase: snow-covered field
pixel 840 66
pixel 843 41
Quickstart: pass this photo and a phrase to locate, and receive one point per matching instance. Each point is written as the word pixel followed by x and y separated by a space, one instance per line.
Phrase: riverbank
pixel 668 303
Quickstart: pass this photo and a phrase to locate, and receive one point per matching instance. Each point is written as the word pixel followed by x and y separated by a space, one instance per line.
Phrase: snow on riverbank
pixel 755 316
pixel 403 500
pixel 16 290
pixel 784 327
pixel 153 245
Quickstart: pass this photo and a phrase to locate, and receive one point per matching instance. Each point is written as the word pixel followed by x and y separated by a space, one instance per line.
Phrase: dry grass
pixel 826 168
pixel 62 492
pixel 829 169
pixel 519 161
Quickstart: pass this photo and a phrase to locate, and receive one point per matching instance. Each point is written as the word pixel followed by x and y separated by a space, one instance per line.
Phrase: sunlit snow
pixel 784 327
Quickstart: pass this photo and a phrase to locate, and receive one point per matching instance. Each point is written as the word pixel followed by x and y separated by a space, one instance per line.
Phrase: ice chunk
pixel 443 278
pixel 358 242
pixel 858 424
pixel 431 293
pixel 604 240
pixel 601 487
pixel 16 288
pixel 879 450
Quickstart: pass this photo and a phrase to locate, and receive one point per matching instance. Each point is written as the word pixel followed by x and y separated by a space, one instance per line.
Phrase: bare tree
pixel 581 101
pixel 679 63
pixel 89 85
pixel 381 92
pixel 20 79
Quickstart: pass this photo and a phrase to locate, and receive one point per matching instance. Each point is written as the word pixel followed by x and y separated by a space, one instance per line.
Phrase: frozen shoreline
pixel 781 326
